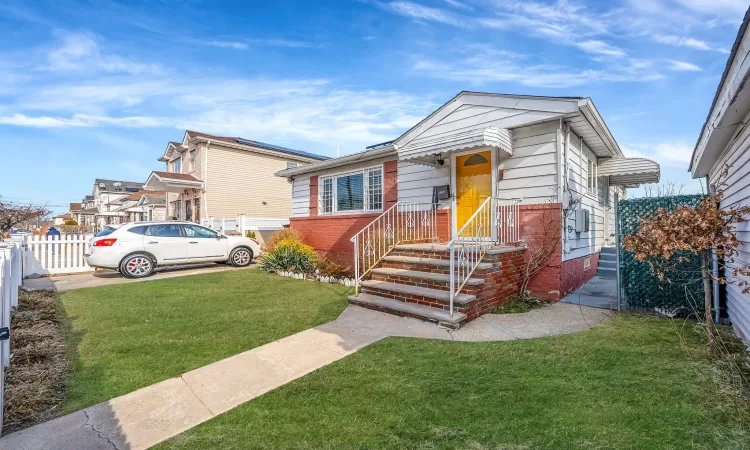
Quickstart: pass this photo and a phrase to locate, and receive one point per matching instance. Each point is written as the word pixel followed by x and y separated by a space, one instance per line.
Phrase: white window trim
pixel 296 164
pixel 192 156
pixel 173 164
pixel 365 183
pixel 594 191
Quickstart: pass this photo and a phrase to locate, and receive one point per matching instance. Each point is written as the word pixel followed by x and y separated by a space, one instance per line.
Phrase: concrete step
pixel 415 274
pixel 435 315
pixel 416 260
pixel 416 291
pixel 609 264
pixel 608 251
pixel 606 271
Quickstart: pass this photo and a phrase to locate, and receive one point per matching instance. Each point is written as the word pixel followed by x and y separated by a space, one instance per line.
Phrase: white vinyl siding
pixel 737 193
pixel 416 181
pixel 531 172
pixel 581 162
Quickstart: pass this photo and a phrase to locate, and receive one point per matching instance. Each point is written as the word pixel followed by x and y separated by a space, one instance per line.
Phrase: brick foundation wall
pixel 331 236
pixel 535 220
pixel 573 275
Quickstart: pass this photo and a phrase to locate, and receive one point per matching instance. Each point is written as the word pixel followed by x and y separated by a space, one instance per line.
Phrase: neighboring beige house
pixel 223 177
pixel 142 205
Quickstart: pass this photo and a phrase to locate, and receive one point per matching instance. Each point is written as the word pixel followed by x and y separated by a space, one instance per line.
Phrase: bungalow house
pixel 436 221
pixel 87 213
pixel 217 179
pixel 724 141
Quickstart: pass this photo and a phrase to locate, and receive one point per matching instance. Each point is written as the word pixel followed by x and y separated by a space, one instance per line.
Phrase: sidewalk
pixel 155 413
pixel 106 277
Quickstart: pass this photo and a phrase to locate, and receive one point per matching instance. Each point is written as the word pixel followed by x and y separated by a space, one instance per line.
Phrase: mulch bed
pixel 35 380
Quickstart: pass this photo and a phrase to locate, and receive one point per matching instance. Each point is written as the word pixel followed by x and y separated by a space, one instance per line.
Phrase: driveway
pixel 107 277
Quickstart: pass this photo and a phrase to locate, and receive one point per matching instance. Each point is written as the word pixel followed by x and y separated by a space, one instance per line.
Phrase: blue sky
pixel 97 88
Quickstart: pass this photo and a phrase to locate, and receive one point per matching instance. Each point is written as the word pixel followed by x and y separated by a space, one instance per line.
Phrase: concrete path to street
pixel 108 277
pixel 155 413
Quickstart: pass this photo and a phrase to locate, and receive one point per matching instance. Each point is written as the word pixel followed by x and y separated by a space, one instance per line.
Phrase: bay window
pixel 360 191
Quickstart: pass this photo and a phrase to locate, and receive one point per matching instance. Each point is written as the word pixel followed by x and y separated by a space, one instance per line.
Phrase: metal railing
pixel 403 222
pixel 494 222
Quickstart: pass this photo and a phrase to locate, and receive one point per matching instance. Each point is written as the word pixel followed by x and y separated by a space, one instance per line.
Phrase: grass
pixel 35 380
pixel 631 383
pixel 124 337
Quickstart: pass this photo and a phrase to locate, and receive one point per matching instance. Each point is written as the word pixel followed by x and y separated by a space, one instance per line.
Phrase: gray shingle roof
pixel 125 186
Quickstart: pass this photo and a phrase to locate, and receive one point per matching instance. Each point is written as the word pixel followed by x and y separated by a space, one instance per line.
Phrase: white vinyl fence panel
pixel 242 224
pixel 10 281
pixel 46 255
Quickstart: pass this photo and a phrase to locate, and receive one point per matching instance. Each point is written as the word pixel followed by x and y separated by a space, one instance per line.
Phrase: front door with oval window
pixel 473 185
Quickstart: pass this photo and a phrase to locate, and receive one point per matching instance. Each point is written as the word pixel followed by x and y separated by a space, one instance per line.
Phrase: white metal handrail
pixel 404 222
pixel 494 222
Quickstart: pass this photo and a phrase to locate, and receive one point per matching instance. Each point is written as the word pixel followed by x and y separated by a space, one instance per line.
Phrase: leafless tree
pixel 668 189
pixel 12 214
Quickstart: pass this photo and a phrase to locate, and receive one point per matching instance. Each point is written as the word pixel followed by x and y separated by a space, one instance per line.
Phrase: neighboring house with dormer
pixel 105 201
pixel 221 177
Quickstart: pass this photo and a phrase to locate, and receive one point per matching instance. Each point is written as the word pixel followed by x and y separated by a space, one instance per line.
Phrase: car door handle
pixel 193 242
pixel 152 242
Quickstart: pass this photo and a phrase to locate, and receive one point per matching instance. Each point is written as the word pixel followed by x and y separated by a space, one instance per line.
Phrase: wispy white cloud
pixel 673 153
pixel 682 66
pixel 689 42
pixel 715 7
pixel 480 70
pixel 421 12
pixel 459 5
pixel 80 52
pixel 600 48
pixel 229 44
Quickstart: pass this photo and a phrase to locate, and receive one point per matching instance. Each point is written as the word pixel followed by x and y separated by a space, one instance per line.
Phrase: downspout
pixel 566 144
pixel 204 173
pixel 715 272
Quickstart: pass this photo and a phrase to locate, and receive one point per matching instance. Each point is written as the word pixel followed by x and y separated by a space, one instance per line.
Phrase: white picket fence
pixel 241 224
pixel 11 268
pixel 49 255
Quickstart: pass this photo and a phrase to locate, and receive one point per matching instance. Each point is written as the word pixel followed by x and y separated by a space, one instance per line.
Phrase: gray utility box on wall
pixel 582 220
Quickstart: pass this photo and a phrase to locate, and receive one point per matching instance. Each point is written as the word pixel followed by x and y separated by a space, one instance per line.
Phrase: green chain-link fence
pixel 681 293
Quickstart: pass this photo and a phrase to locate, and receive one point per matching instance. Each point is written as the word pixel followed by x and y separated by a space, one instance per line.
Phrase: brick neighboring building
pixel 511 158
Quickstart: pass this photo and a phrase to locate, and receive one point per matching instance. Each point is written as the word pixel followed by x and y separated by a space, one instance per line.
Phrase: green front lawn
pixel 631 383
pixel 128 336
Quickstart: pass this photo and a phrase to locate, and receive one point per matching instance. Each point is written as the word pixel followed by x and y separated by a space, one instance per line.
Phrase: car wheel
pixel 241 257
pixel 137 265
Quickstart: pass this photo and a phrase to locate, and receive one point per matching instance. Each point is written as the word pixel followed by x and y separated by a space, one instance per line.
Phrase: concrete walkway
pixel 108 277
pixel 598 292
pixel 155 413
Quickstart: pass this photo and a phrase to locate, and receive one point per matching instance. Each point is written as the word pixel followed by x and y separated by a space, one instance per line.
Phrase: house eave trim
pixel 338 162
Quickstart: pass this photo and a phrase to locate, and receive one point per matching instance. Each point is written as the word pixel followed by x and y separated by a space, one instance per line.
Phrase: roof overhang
pixel 163 183
pixel 251 148
pixel 730 107
pixel 489 137
pixel 629 172
pixel 338 162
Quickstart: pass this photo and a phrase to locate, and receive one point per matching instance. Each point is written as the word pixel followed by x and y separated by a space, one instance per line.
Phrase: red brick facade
pixel 501 281
pixel 559 278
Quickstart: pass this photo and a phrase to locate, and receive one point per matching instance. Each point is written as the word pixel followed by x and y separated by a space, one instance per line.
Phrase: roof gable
pixel 469 109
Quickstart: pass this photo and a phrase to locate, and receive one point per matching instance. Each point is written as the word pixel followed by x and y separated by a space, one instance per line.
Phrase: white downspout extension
pixel 204 172
pixel 566 144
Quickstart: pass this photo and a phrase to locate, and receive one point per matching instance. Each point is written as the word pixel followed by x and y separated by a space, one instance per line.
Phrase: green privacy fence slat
pixel 682 293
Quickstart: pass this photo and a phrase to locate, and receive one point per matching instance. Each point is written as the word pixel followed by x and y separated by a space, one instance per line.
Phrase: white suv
pixel 136 249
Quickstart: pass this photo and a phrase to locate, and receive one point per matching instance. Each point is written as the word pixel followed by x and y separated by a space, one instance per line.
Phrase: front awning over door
pixel 488 137
pixel 629 172
pixel 172 182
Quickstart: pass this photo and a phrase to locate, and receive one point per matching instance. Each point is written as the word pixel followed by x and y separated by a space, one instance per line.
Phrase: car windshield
pixel 105 232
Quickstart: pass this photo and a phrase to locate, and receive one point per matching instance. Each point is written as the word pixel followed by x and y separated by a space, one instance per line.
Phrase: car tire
pixel 137 265
pixel 240 257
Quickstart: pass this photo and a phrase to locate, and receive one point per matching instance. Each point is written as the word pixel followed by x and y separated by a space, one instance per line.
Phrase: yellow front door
pixel 473 184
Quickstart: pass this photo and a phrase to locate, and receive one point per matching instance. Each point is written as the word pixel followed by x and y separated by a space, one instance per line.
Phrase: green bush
pixel 288 259
pixel 250 234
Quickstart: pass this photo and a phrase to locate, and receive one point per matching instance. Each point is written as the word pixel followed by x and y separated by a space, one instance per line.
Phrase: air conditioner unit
pixel 582 221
